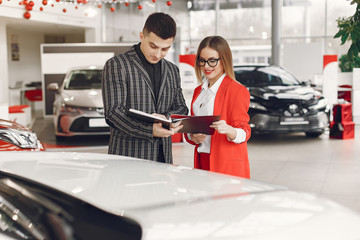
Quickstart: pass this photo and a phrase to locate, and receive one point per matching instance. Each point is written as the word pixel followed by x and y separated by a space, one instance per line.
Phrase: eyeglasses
pixel 212 62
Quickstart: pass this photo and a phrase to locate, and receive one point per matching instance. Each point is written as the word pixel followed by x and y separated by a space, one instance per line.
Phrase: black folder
pixel 191 124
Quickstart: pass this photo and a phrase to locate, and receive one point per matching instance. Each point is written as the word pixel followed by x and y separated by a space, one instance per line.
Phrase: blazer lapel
pixel 197 92
pixel 220 95
pixel 164 73
pixel 137 62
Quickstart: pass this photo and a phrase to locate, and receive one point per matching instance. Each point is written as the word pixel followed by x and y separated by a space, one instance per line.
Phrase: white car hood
pixel 174 202
pixel 83 98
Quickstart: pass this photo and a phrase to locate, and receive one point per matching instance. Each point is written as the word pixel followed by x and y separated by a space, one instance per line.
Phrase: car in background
pixel 78 105
pixel 15 137
pixel 279 103
pixel 65 195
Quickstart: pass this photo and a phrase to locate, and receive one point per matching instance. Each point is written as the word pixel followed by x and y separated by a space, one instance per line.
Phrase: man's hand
pixel 159 131
pixel 197 137
pixel 176 129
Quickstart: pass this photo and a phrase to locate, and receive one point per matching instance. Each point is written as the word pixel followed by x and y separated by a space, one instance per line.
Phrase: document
pixel 191 124
pixel 199 124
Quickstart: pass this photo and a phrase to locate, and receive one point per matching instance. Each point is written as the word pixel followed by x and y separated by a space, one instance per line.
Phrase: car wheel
pixel 313 134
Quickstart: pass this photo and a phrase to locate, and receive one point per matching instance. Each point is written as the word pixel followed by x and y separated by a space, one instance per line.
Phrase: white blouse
pixel 204 105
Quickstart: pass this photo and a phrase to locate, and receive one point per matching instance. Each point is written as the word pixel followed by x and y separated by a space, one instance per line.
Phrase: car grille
pixel 82 125
pixel 288 107
pixel 283 104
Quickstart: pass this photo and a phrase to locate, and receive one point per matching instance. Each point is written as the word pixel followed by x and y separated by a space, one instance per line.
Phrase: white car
pixel 78 105
pixel 56 195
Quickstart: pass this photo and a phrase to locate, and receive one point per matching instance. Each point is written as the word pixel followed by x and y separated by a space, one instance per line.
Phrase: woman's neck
pixel 212 81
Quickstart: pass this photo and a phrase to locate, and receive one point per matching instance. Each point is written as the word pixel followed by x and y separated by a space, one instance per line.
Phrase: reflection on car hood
pixel 83 98
pixel 283 92
pixel 124 178
pixel 174 202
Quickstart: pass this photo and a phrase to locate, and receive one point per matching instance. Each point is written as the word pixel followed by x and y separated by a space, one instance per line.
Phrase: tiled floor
pixel 327 167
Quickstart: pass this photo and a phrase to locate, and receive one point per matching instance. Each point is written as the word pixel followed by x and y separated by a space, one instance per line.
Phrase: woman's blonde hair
pixel 220 45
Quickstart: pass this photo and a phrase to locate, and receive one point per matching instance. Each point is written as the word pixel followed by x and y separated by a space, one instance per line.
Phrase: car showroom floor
pixel 327 167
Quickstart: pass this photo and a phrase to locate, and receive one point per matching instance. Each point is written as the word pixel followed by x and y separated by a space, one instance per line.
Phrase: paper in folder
pixel 191 124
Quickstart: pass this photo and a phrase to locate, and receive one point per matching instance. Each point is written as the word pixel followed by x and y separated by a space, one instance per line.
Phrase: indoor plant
pixel 349 30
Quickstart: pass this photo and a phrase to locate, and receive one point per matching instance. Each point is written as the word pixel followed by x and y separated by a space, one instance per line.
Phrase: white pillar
pixel 94 35
pixel 217 20
pixel 307 23
pixel 276 26
pixel 356 96
pixel 330 82
pixel 4 75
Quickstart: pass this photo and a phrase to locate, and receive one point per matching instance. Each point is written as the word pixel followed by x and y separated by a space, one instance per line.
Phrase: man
pixel 142 79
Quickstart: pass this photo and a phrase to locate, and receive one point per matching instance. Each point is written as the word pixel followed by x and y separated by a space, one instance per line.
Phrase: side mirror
pixel 53 87
pixel 305 83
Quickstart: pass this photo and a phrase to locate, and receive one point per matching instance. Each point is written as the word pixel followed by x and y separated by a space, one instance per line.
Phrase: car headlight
pixel 69 109
pixel 322 103
pixel 257 106
pixel 19 138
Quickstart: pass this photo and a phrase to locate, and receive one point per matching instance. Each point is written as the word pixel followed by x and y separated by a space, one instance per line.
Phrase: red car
pixel 15 137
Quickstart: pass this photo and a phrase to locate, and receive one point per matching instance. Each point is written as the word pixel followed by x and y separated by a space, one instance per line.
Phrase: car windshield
pixel 84 79
pixel 264 76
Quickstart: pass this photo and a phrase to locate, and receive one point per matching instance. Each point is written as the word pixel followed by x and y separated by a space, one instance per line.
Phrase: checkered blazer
pixel 126 84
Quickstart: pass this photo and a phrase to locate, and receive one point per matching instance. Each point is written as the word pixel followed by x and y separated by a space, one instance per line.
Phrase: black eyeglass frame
pixel 202 62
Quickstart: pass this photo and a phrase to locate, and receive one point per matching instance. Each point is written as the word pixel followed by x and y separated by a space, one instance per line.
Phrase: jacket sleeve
pixel 240 101
pixel 114 93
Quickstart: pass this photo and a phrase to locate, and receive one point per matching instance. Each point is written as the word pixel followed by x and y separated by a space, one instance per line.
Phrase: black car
pixel 279 103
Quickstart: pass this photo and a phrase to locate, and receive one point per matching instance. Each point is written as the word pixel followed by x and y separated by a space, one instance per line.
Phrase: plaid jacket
pixel 126 84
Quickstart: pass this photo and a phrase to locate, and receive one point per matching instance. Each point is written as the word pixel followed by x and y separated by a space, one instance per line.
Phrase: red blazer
pixel 232 103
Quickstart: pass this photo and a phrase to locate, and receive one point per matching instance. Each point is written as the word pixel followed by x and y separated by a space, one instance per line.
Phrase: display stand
pixel 342 127
pixel 20 114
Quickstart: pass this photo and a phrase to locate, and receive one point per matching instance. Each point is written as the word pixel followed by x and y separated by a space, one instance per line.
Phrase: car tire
pixel 313 134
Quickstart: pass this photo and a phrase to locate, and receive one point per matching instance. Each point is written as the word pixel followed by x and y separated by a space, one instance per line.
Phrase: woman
pixel 220 94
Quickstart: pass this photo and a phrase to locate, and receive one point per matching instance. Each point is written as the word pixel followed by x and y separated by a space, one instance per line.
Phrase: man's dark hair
pixel 160 24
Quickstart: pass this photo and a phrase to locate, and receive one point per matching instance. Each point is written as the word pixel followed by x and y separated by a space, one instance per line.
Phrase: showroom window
pixel 247 27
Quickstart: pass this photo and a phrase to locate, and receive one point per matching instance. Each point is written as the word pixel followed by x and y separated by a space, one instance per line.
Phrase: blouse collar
pixel 214 88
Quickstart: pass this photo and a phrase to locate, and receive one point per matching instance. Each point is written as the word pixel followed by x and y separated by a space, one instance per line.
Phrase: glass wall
pixel 248 29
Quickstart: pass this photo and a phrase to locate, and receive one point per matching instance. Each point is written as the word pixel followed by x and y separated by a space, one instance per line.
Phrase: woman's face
pixel 212 72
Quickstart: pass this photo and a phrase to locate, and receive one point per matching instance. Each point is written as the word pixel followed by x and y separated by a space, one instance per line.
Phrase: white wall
pixel 28 68
pixel 15 29
pixel 304 60
pixel 4 74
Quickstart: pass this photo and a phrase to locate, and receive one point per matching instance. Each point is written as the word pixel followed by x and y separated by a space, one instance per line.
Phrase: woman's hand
pixel 197 137
pixel 223 128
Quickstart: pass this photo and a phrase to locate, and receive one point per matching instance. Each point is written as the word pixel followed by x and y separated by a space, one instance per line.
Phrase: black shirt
pixel 154 70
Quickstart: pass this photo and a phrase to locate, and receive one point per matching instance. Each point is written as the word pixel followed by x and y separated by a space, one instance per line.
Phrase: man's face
pixel 154 47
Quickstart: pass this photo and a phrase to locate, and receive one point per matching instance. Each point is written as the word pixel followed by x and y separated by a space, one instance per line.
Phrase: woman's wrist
pixel 231 135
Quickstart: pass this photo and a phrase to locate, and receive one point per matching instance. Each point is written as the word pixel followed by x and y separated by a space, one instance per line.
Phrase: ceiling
pixel 56 29
pixel 40 27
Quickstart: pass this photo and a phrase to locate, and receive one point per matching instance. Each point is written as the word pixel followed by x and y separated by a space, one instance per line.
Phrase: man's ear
pixel 141 36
